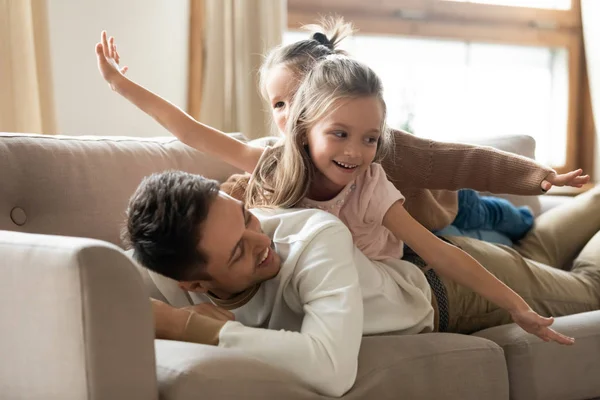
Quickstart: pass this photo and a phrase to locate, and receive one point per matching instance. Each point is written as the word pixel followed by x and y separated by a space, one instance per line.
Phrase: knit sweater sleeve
pixel 323 354
pixel 424 163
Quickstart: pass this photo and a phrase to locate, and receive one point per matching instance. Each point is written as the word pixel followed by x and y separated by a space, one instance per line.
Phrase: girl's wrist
pixel 118 82
pixel 518 305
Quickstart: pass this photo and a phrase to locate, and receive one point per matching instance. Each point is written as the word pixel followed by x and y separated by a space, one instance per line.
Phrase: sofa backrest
pixel 80 186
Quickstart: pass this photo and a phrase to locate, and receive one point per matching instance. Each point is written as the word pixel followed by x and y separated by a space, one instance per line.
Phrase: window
pixel 454 70
pixel 451 90
pixel 549 4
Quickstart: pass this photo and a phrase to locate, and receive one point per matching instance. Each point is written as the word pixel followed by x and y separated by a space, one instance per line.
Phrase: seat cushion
pixel 390 367
pixel 539 370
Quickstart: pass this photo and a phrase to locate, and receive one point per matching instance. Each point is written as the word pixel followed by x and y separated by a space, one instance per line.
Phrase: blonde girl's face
pixel 343 144
pixel 281 85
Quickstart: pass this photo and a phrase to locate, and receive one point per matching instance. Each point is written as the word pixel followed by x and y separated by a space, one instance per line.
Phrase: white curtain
pixel 237 34
pixel 26 99
pixel 590 16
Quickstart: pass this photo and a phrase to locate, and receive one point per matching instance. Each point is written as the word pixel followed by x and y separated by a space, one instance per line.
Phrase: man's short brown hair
pixel 164 219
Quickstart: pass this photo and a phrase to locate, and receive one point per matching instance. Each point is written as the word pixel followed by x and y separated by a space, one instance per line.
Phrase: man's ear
pixel 195 286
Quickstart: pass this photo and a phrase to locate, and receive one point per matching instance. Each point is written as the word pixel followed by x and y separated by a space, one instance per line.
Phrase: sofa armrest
pixel 76 321
pixel 539 370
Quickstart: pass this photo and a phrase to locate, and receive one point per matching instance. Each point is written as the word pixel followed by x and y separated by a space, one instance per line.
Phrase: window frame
pixel 443 19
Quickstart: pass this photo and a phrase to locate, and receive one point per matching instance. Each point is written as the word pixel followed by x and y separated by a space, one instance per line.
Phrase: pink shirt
pixel 361 206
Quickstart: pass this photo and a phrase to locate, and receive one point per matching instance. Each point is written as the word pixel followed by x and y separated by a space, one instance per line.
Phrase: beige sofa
pixel 76 323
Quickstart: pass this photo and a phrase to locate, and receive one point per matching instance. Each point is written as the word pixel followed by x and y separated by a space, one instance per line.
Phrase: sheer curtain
pixel 225 56
pixel 590 14
pixel 590 18
pixel 26 98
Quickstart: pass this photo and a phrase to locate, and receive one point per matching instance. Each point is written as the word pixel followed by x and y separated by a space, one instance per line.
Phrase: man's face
pixel 239 254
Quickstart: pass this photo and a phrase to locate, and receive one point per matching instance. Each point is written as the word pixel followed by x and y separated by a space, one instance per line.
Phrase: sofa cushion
pixel 546 371
pixel 428 366
pixel 80 186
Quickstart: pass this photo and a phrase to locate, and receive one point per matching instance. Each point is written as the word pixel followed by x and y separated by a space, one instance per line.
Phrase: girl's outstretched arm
pixel 417 162
pixel 453 263
pixel 184 127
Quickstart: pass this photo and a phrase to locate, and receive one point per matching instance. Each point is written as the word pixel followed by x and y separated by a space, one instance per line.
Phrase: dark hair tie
pixel 322 39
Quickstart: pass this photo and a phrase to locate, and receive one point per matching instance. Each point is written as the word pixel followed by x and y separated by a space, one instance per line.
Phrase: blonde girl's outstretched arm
pixel 453 263
pixel 183 126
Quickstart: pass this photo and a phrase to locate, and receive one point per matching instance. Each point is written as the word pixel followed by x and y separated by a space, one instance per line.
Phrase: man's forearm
pixel 304 355
pixel 327 364
pixel 181 324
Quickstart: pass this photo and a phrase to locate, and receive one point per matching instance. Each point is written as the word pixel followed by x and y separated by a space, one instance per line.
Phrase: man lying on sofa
pixel 293 281
pixel 292 273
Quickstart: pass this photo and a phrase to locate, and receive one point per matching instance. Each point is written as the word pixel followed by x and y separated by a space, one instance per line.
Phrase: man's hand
pixel 108 60
pixel 169 322
pixel 212 311
pixel 573 178
pixel 535 324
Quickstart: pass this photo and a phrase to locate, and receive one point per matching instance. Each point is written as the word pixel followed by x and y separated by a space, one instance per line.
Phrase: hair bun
pixel 322 39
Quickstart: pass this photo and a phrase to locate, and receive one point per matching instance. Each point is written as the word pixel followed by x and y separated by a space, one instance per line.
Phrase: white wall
pixel 152 39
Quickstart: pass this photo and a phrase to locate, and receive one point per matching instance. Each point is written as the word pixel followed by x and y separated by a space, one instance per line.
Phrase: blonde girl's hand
pixel 535 324
pixel 108 60
pixel 573 178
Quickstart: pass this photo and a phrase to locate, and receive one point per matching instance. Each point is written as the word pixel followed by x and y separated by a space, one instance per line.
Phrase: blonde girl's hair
pixel 285 173
pixel 300 56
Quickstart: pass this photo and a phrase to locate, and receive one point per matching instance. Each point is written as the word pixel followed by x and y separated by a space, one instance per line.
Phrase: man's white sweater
pixel 308 320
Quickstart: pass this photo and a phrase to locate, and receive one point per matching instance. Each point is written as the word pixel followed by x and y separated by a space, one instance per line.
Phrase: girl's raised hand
pixel 108 60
